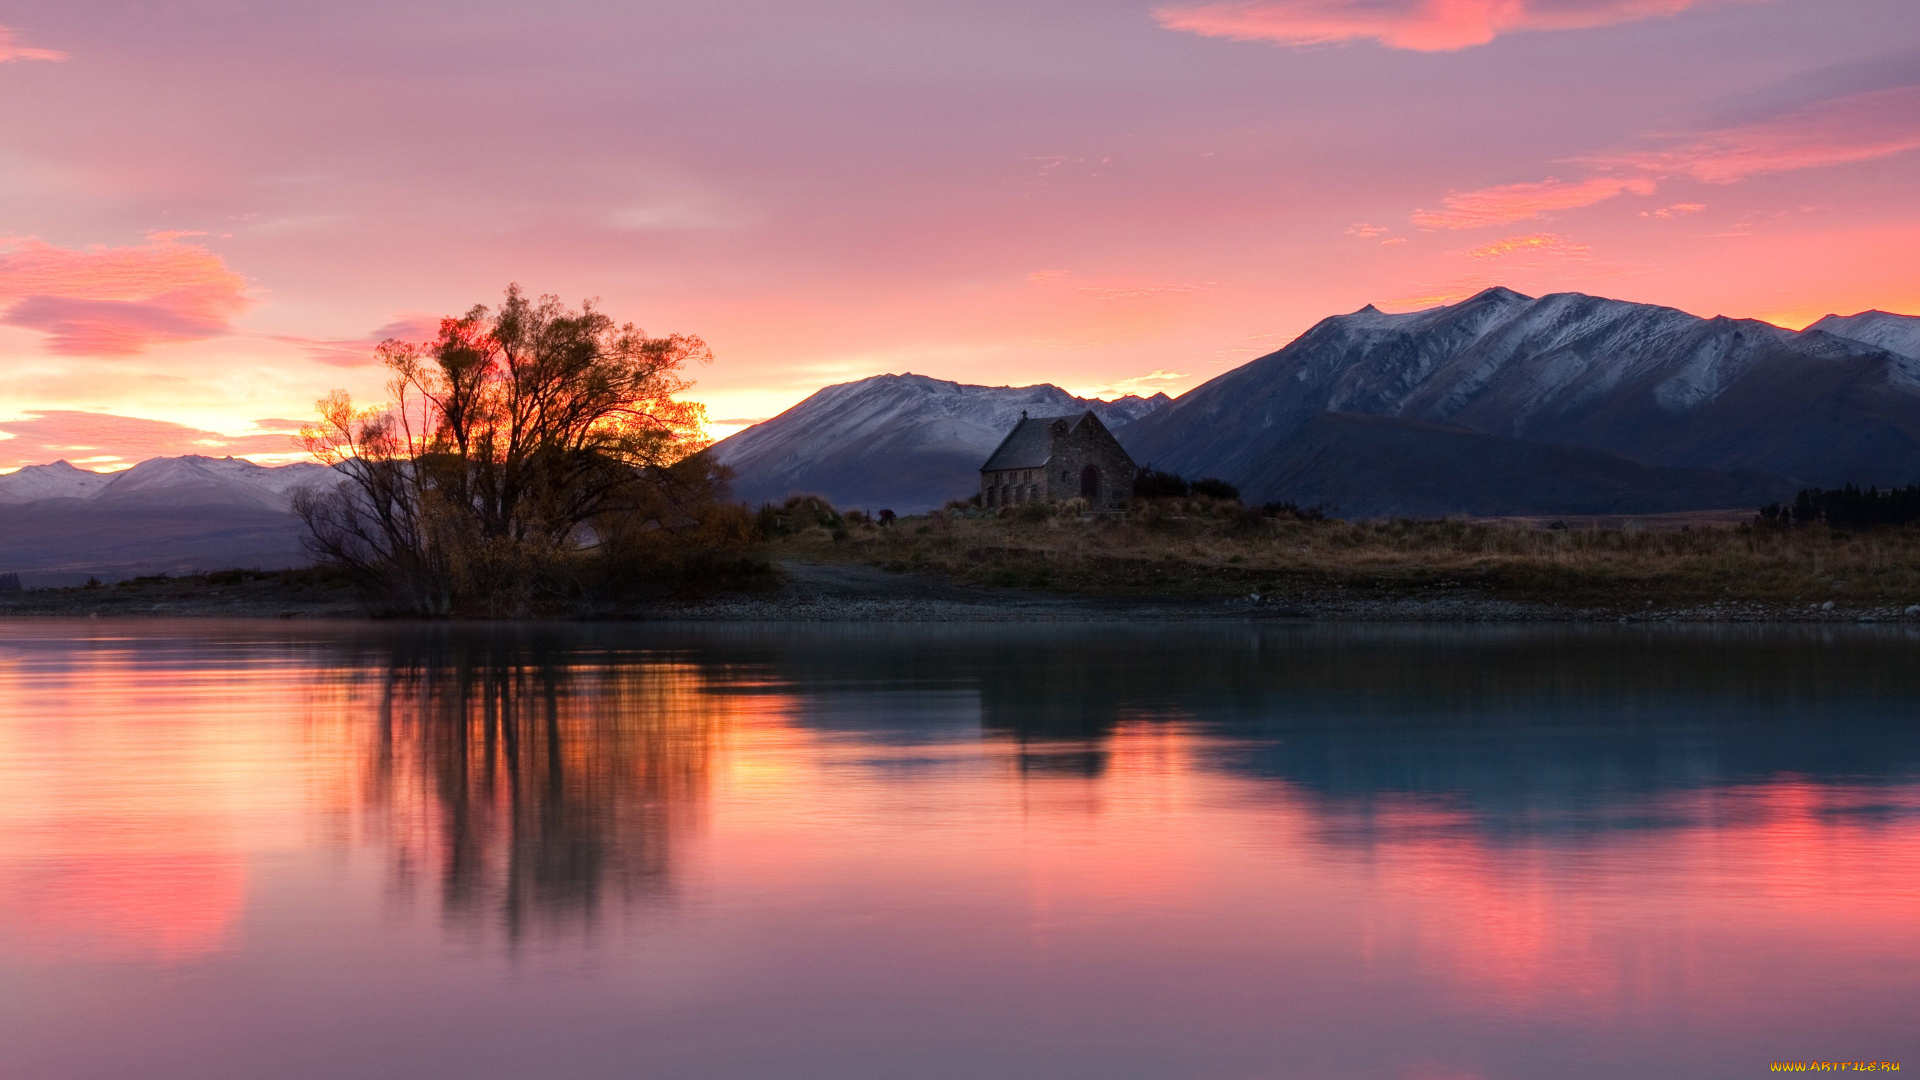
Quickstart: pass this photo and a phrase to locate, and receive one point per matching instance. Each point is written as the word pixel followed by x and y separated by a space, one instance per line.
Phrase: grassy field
pixel 1201 547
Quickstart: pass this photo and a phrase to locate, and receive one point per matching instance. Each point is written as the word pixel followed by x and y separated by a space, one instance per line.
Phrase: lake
pixel 286 850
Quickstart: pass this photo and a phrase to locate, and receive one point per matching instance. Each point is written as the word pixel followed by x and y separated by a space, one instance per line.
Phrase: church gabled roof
pixel 1025 447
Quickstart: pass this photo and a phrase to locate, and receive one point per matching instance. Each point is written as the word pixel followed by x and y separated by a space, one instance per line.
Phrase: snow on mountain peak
pixel 187 480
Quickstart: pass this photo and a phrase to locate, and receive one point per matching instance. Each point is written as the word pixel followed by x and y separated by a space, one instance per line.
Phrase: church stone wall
pixel 1091 444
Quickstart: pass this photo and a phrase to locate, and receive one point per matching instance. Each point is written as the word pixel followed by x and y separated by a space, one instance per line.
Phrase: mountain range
pixel 1651 386
pixel 1499 404
pixel 906 443
pixel 60 524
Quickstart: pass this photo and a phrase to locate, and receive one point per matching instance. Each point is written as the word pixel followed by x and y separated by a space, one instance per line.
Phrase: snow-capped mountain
pixel 189 480
pixel 59 523
pixel 196 479
pixel 1652 385
pixel 1894 333
pixel 902 442
pixel 58 480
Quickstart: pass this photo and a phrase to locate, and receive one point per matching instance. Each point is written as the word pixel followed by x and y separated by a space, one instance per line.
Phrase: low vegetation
pixel 1203 546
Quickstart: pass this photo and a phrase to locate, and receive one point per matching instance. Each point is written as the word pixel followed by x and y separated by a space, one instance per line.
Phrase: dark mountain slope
pixel 1369 466
pixel 1648 383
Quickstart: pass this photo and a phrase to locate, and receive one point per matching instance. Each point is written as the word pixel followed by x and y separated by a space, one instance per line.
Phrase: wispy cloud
pixel 1420 25
pixel 11 50
pixel 1146 385
pixel 359 352
pixel 1366 231
pixel 104 439
pixel 1533 248
pixel 1042 277
pixel 1838 131
pixel 1144 291
pixel 1509 203
pixel 118 301
pixel 1676 210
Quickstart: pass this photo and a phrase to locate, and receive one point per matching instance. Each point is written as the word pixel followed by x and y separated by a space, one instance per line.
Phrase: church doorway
pixel 1090 485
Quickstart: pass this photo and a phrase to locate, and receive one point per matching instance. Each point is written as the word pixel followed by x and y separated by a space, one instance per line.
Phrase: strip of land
pixel 1192 559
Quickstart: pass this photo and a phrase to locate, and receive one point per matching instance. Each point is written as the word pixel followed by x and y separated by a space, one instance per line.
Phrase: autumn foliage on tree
pixel 529 454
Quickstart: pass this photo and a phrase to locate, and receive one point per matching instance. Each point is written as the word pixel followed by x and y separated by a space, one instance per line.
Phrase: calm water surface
pixel 270 850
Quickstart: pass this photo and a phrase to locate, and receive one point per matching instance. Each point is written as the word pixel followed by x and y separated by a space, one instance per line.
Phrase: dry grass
pixel 1204 548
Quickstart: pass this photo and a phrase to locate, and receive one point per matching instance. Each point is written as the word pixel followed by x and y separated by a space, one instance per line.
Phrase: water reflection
pixel 523 779
pixel 1020 851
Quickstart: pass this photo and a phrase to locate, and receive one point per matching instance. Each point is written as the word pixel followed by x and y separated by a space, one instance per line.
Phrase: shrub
pixel 1214 488
pixel 797 514
pixel 1153 483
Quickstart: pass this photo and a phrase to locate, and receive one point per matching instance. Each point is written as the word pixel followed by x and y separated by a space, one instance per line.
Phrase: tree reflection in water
pixel 530 782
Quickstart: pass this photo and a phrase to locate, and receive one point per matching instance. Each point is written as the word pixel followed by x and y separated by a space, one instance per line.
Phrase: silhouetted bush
pixel 1214 488
pixel 1293 511
pixel 1153 483
pixel 9 582
pixel 1849 507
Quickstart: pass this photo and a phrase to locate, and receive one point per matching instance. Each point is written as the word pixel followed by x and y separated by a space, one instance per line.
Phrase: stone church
pixel 1054 458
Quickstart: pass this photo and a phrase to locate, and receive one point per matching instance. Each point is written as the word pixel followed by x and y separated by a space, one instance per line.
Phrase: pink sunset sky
pixel 210 210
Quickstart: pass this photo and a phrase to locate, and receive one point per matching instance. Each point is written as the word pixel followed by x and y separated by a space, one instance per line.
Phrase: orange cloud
pixel 1837 131
pixel 119 301
pixel 1519 202
pixel 1365 231
pixel 11 50
pixel 1543 245
pixel 103 439
pixel 1420 25
pixel 1676 210
pixel 1144 291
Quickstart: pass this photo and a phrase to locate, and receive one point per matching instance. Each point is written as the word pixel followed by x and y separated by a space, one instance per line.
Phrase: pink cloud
pixel 357 352
pixel 1365 231
pixel 1676 210
pixel 1837 131
pixel 1535 246
pixel 1420 25
pixel 11 50
pixel 103 438
pixel 1508 203
pixel 118 301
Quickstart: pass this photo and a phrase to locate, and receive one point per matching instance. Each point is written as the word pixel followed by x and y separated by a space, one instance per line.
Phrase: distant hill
pixel 63 524
pixel 906 443
pixel 1651 385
